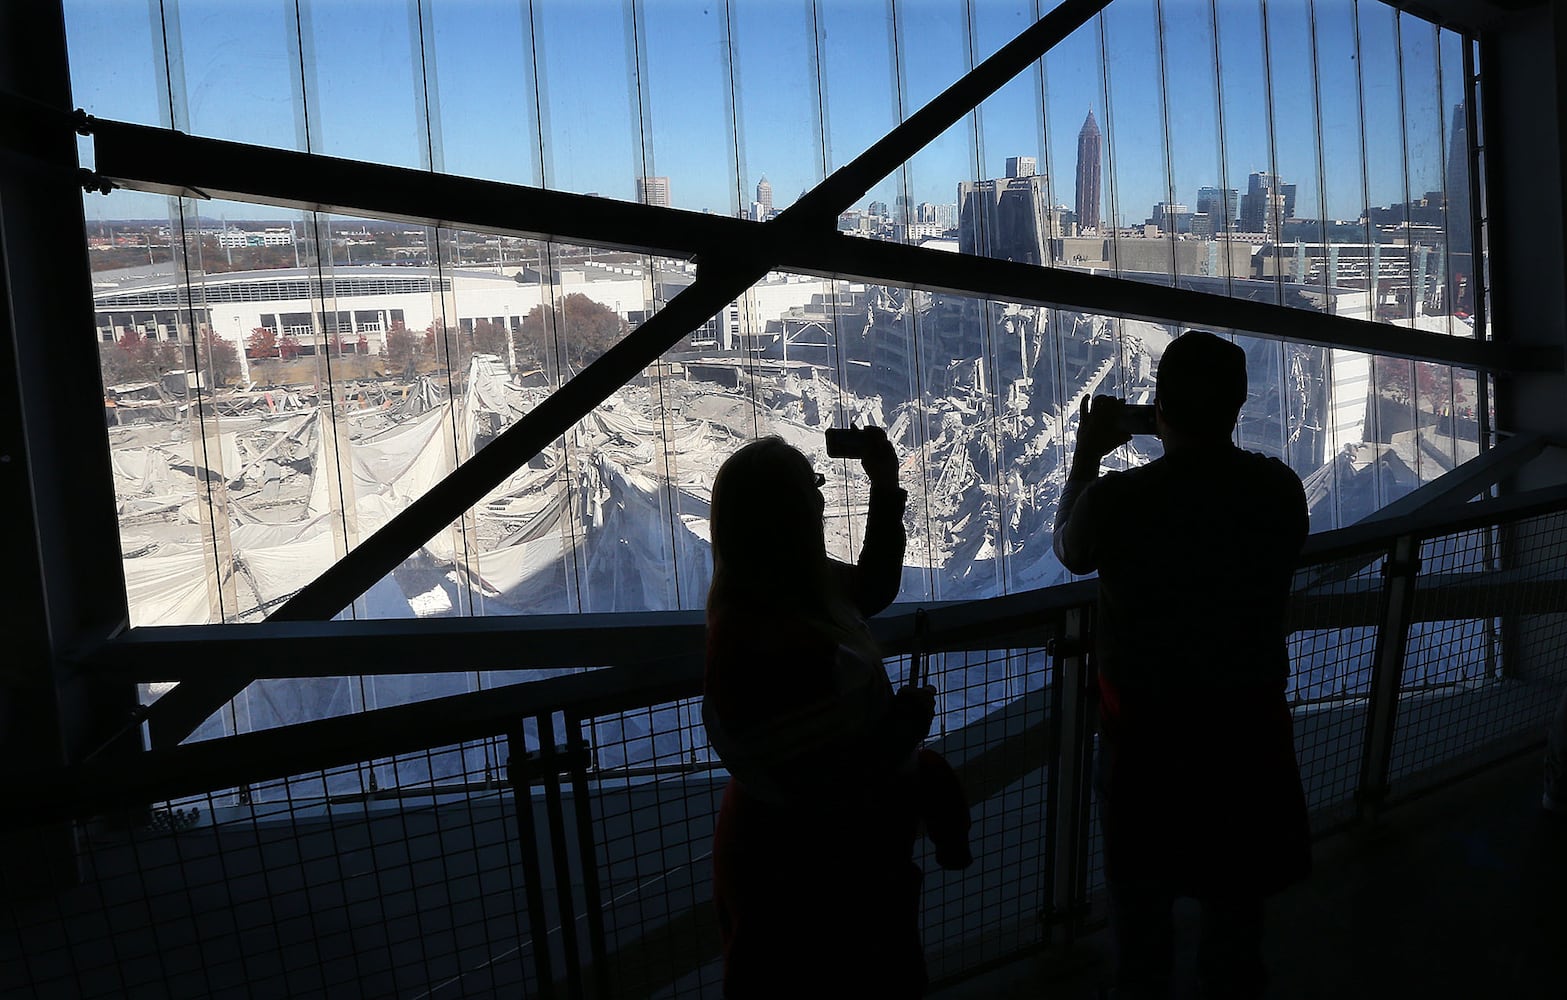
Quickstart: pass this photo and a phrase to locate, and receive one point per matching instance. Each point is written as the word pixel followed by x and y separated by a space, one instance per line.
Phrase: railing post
pixel 519 772
pixel 1387 670
pixel 587 849
pixel 550 760
pixel 546 765
pixel 1067 804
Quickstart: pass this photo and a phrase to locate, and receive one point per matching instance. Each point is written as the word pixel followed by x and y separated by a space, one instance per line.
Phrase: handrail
pixel 1027 618
pixel 398 646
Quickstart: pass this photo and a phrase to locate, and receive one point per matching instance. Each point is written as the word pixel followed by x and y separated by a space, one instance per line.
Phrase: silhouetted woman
pixel 814 878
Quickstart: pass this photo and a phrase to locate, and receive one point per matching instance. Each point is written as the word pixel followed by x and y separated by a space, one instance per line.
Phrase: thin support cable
pixel 1164 124
pixel 1107 147
pixel 1224 167
pixel 212 509
pixel 1373 274
pixel 463 551
pixel 1273 154
pixel 1328 275
pixel 1445 141
pixel 327 423
pixel 1403 137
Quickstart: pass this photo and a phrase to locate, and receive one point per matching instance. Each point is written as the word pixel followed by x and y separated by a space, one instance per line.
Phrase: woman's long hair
pixel 768 549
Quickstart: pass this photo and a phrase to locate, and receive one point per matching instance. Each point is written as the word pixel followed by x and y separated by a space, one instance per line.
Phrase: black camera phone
pixel 847 442
pixel 1138 418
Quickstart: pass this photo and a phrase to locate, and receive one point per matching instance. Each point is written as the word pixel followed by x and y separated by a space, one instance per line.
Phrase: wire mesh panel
pixel 991 909
pixel 655 793
pixel 1483 670
pixel 1332 646
pixel 291 889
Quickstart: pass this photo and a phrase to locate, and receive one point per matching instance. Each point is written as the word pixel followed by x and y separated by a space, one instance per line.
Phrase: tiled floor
pixel 1460 894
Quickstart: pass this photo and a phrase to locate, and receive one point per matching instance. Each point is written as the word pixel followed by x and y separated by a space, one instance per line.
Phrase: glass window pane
pixel 1138 177
pixel 388 121
pixel 133 85
pixel 777 104
pixel 1006 212
pixel 237 70
pixel 1197 212
pixel 862 101
pixel 1387 198
pixel 683 56
pixel 1292 72
pixel 1248 150
pixel 1074 129
pixel 934 40
pixel 1459 290
pixel 1425 160
pixel 484 90
pixel 1343 159
pixel 590 119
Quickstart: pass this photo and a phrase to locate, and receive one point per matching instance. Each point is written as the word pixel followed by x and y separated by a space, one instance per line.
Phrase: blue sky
pixel 807 87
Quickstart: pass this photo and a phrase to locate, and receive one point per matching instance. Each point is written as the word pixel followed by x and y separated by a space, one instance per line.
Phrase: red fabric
pixel 1203 792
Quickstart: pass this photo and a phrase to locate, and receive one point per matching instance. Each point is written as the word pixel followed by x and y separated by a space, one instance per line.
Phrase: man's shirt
pixel 1195 553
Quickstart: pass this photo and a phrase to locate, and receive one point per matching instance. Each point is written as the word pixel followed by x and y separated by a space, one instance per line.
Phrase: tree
pixel 221 358
pixel 489 338
pixel 288 347
pixel 583 328
pixel 400 346
pixel 262 343
pixel 134 358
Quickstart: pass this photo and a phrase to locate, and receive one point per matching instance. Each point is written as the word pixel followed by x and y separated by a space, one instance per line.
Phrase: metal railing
pixel 552 838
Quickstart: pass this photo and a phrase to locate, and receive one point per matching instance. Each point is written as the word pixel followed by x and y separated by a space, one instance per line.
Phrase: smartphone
pixel 847 442
pixel 1138 418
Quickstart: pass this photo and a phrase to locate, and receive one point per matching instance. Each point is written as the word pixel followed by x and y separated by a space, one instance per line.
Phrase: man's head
pixel 1201 385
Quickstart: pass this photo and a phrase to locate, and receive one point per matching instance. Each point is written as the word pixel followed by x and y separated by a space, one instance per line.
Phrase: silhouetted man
pixel 1197 777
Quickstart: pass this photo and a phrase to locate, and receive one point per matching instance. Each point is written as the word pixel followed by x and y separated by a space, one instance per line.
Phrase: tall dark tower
pixel 1460 236
pixel 1088 140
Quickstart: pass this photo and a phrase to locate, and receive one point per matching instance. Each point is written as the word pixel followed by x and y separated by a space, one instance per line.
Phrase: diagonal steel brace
pixel 174 716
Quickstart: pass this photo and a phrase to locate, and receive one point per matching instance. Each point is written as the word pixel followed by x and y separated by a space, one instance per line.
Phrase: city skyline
pixel 594 134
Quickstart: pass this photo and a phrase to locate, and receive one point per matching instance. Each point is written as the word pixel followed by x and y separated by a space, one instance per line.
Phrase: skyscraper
pixel 1088 142
pixel 764 196
pixel 1022 166
pixel 1460 224
pixel 1268 201
pixel 653 191
pixel 1222 205
pixel 1009 218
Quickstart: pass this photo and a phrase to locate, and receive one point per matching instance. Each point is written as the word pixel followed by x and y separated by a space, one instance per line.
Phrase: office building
pixel 1021 166
pixel 1221 204
pixel 653 191
pixel 1089 142
pixel 1268 201
pixel 1008 218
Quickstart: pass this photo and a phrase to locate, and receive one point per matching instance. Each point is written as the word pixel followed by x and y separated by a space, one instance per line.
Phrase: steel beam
pixel 165 162
pixel 160 161
pixel 966 274
pixel 723 273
